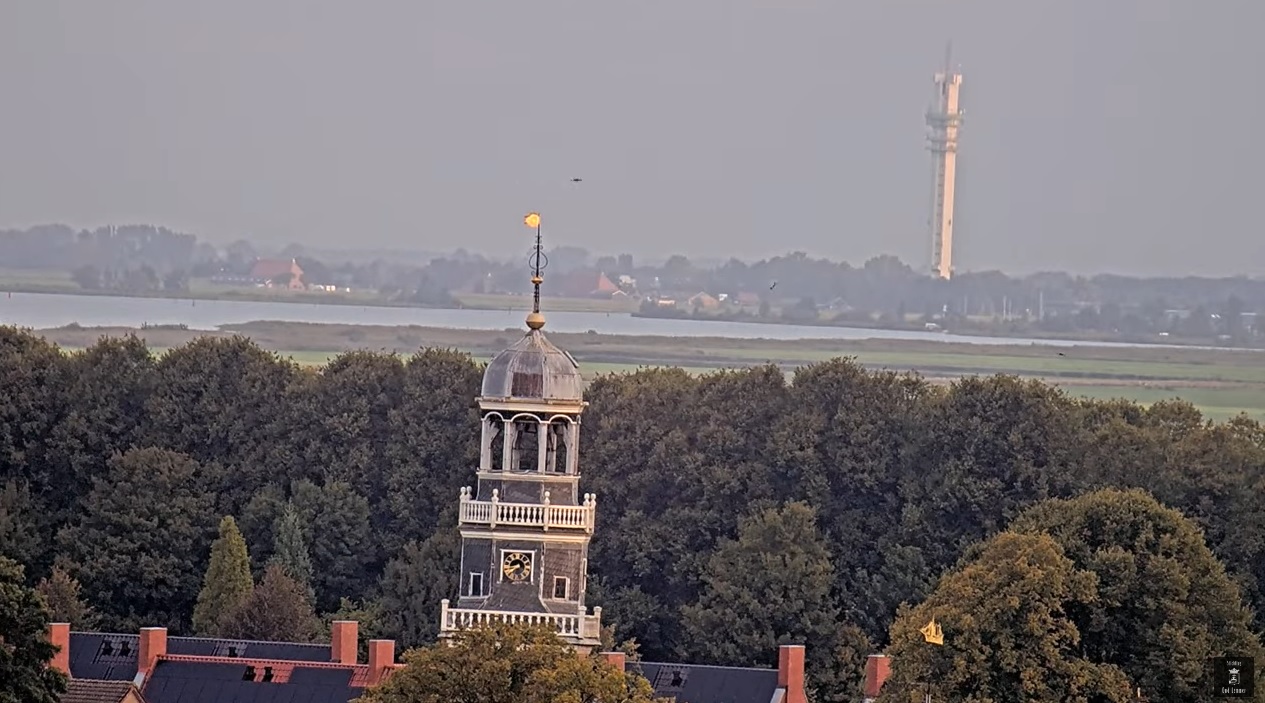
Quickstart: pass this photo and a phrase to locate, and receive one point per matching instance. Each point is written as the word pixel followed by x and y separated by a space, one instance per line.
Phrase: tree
pixel 227 583
pixel 20 524
pixel 290 551
pixel 61 595
pixel 336 525
pixel 502 662
pixel 769 587
pixel 413 584
pixel 146 520
pixel 25 651
pixel 277 610
pixel 1165 604
pixel 1007 634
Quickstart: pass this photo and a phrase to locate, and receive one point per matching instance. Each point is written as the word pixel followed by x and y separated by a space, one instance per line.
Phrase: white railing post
pixel 496 506
pixel 444 625
pixel 547 512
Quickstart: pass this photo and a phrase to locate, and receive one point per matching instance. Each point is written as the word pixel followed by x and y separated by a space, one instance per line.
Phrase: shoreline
pixel 520 303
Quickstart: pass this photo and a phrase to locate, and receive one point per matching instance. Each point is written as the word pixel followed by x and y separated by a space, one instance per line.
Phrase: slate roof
pixel 216 682
pixel 692 683
pixel 90 691
pixel 111 656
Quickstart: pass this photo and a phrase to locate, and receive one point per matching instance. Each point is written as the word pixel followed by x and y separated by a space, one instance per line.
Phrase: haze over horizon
pixel 1099 137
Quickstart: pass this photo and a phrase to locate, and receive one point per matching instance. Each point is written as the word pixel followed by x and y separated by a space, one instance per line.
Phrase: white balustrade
pixel 544 515
pixel 578 625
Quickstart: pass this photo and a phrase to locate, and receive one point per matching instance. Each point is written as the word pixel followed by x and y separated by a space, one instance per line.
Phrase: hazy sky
pixel 1100 135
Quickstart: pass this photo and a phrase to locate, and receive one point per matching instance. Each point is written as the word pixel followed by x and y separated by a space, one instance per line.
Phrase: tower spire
pixel 538 260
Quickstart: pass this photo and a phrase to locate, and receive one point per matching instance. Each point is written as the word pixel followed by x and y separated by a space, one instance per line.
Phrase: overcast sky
pixel 1100 135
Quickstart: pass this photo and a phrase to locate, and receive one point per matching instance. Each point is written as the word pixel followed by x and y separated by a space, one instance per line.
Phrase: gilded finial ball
pixel 535 320
pixel 532 220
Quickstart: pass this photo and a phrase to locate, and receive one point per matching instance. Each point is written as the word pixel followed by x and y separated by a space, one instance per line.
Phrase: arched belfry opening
pixel 491 451
pixel 525 446
pixel 560 451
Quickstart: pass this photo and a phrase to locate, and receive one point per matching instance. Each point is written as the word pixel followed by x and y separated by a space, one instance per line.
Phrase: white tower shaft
pixel 943 120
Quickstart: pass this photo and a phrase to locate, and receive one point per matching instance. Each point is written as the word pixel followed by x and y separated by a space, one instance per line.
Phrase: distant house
pixel 746 299
pixel 704 301
pixel 274 272
pixel 589 284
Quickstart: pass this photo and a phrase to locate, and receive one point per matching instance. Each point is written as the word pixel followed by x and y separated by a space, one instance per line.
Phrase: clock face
pixel 516 566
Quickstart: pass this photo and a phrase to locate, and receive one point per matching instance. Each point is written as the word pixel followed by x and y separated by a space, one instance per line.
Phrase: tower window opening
pixel 559 449
pixel 476 584
pixel 527 385
pixel 561 584
pixel 124 648
pixel 494 433
pixel 525 455
pixel 249 674
pixel 267 674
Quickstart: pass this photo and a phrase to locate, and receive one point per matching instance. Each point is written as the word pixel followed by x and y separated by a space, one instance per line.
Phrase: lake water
pixel 41 310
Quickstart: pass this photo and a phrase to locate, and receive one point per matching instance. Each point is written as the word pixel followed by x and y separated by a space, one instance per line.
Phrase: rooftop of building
pixel 156 668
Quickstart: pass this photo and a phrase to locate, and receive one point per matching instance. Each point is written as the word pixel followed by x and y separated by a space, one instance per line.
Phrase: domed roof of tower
pixel 533 369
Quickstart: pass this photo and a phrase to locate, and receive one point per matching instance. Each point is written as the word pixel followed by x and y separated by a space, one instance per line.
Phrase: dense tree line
pixel 738 509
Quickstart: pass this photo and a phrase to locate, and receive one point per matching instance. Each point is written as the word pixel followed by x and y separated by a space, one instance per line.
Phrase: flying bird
pixel 576 180
pixel 773 286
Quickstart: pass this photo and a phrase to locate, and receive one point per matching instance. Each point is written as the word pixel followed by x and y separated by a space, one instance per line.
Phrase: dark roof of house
pixel 91 691
pixel 692 683
pixel 216 682
pixel 110 656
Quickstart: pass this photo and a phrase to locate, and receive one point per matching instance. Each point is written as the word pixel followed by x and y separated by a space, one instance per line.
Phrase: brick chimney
pixel 59 635
pixel 790 672
pixel 381 659
pixel 153 645
pixel 615 659
pixel 877 668
pixel 343 642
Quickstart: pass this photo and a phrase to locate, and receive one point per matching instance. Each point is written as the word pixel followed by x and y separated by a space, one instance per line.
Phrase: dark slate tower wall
pixel 557 583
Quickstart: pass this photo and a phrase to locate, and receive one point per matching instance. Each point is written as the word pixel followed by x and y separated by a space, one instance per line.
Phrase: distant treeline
pixel 882 291
pixel 117 466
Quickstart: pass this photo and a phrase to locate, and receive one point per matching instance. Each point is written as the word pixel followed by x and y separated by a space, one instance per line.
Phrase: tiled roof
pixel 692 683
pixel 110 656
pixel 216 682
pixel 92 691
pixel 271 268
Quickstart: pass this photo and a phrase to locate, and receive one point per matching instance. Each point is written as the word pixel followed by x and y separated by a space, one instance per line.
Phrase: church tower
pixel 525 530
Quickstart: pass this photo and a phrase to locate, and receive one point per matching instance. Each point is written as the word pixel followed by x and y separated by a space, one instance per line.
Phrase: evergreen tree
pixel 227 583
pixel 277 610
pixel 290 550
pixel 769 587
pixel 146 520
pixel 414 583
pixel 60 591
pixel 24 647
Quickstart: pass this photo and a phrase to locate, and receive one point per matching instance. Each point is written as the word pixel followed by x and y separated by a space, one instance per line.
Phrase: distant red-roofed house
pixel 272 272
pixel 588 284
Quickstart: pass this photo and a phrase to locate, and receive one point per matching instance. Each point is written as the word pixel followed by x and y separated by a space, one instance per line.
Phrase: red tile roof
pixel 93 691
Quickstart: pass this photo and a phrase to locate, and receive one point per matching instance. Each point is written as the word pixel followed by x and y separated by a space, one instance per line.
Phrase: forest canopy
pixel 345 478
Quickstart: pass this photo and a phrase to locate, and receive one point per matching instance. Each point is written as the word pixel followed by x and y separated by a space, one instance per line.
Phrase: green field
pixel 1223 383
